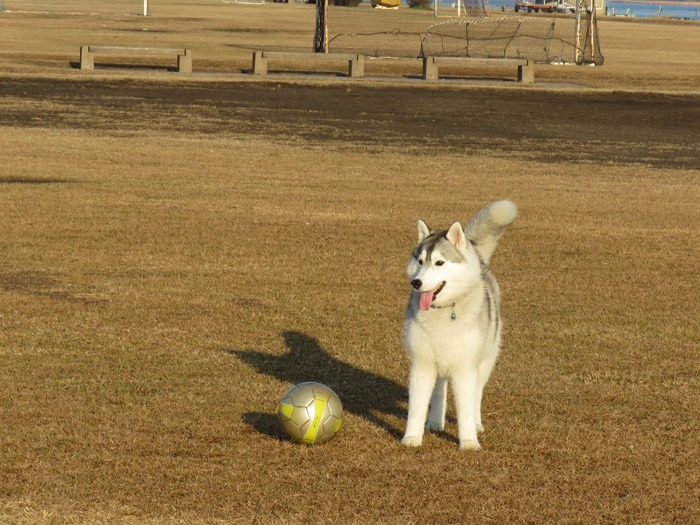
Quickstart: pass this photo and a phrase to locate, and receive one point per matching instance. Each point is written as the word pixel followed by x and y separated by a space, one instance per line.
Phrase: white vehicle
pixel 546 6
pixel 564 7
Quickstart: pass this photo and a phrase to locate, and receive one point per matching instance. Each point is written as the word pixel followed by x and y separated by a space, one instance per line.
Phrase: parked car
pixel 547 6
pixel 564 7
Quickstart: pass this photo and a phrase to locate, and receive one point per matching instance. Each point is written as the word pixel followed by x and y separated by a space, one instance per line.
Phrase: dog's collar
pixel 446 306
pixel 453 315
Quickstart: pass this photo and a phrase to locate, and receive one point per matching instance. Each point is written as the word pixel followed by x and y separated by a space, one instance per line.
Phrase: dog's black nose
pixel 416 283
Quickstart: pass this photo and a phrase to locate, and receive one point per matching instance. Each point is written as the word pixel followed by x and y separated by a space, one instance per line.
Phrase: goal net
pixel 455 28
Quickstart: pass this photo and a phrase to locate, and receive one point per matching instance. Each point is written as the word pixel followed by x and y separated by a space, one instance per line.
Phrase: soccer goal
pixel 459 28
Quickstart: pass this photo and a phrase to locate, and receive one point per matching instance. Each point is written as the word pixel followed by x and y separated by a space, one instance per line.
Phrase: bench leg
pixel 259 63
pixel 87 59
pixel 430 69
pixel 526 74
pixel 184 62
pixel 357 67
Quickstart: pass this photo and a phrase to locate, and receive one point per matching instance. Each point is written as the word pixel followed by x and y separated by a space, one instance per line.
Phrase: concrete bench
pixel 356 63
pixel 87 55
pixel 526 67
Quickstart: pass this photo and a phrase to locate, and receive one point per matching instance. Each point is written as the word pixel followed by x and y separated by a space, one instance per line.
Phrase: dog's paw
pixel 479 427
pixel 412 441
pixel 435 426
pixel 469 445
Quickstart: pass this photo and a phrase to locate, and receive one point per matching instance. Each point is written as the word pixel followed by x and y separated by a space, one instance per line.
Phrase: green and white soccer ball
pixel 310 413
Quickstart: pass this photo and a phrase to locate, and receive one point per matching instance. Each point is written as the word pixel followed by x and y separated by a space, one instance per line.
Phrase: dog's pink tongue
pixel 426 299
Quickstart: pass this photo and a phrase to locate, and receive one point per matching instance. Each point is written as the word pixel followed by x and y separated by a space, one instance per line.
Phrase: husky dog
pixel 452 325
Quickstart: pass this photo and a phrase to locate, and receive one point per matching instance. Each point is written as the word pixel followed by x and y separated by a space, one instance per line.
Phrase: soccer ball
pixel 310 413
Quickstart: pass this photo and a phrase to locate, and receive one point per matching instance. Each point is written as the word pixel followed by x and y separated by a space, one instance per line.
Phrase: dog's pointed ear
pixel 456 236
pixel 423 230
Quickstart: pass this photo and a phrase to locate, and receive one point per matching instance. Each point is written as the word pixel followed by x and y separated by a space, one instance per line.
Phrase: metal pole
pixel 580 4
pixel 592 30
pixel 145 7
pixel 325 26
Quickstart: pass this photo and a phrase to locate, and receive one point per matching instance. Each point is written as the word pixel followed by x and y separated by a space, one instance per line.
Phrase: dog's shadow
pixel 366 394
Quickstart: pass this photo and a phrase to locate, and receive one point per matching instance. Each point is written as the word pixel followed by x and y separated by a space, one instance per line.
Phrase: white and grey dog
pixel 452 325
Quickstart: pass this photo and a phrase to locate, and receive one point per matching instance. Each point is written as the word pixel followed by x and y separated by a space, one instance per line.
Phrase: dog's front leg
pixel 465 387
pixel 438 406
pixel 421 381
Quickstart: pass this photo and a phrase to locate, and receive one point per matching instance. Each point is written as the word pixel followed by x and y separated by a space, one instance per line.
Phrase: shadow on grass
pixel 32 180
pixel 117 65
pixel 264 423
pixel 363 393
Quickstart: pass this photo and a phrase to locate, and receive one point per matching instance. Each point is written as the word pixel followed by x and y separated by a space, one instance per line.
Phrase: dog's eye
pixel 439 263
pixel 420 261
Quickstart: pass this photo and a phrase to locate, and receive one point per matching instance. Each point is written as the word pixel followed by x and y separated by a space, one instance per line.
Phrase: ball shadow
pixel 264 423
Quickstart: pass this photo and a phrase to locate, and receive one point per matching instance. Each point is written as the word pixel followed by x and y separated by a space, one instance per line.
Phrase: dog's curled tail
pixel 487 226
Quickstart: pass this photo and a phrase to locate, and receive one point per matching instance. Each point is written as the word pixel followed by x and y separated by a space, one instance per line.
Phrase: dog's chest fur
pixel 434 336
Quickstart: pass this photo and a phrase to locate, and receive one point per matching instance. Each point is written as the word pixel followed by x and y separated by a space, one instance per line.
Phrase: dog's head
pixel 443 266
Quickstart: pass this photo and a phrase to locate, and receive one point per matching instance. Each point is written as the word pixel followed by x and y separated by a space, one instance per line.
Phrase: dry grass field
pixel 176 252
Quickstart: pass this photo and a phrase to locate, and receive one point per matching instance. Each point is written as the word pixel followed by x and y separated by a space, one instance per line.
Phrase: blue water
pixel 649 10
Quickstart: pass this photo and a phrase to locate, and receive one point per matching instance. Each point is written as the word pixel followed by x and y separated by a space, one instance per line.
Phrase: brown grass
pixel 163 282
